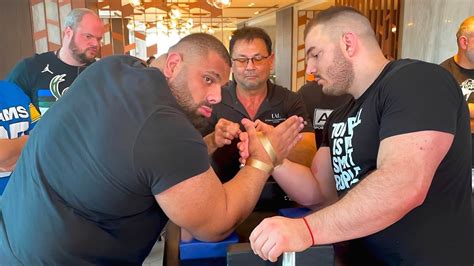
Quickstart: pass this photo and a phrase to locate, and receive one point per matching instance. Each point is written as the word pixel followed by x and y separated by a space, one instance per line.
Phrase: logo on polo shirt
pixel 320 117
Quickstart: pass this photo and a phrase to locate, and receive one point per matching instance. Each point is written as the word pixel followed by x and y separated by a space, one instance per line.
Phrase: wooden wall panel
pixel 384 16
pixel 17 38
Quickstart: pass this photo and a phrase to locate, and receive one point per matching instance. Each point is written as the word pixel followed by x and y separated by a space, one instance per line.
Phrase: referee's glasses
pixel 257 60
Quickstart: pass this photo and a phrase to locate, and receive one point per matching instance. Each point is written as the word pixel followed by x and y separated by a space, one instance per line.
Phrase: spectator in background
pixel 461 65
pixel 46 77
pixel 17 118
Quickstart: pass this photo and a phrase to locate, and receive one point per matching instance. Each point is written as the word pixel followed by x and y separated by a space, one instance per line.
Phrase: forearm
pixel 10 150
pixel 304 151
pixel 211 144
pixel 298 183
pixel 370 207
pixel 238 200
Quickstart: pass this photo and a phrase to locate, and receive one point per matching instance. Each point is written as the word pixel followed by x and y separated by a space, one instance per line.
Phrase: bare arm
pixel 405 162
pixel 210 210
pixel 313 187
pixel 305 150
pixel 10 150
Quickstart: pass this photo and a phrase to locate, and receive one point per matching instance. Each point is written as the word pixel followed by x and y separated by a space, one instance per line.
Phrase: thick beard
pixel 342 73
pixel 81 57
pixel 181 92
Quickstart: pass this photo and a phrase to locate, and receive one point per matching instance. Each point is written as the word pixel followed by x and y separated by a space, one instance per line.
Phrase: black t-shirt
pixel 83 190
pixel 465 78
pixel 409 96
pixel 44 78
pixel 320 106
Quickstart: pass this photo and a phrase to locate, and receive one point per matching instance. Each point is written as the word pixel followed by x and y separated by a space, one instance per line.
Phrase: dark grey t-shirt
pixel 83 190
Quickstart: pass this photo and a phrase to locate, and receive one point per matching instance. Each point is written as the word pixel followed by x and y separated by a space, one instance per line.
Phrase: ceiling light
pixel 251 4
pixel 137 3
pixel 219 3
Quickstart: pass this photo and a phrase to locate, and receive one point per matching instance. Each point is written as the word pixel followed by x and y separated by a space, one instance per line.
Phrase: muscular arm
pixel 405 163
pixel 10 150
pixel 210 210
pixel 305 150
pixel 313 187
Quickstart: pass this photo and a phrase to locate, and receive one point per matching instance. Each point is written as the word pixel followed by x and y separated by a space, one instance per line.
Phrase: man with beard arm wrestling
pixel 46 77
pixel 97 187
pixel 393 177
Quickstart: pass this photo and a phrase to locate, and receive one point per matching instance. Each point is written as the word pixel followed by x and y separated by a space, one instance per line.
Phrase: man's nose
pixel 215 94
pixel 311 69
pixel 250 64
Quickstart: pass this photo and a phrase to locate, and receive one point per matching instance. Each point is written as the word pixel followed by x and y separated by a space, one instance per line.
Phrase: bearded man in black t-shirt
pixel 394 177
pixel 118 156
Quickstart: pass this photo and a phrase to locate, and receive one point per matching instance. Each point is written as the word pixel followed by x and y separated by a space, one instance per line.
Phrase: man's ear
pixel 349 40
pixel 172 63
pixel 68 32
pixel 462 41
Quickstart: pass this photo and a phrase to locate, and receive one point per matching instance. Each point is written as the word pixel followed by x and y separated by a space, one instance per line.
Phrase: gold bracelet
pixel 267 145
pixel 259 165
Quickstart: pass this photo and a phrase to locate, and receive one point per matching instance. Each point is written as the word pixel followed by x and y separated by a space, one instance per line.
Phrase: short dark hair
pixel 201 44
pixel 328 15
pixel 249 34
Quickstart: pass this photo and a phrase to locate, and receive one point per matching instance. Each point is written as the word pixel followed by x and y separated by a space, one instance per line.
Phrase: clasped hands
pixel 277 141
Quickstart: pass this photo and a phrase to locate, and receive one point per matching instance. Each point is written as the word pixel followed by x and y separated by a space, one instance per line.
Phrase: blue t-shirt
pixel 17 117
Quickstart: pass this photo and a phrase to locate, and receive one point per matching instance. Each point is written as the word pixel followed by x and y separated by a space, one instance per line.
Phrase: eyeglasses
pixel 256 60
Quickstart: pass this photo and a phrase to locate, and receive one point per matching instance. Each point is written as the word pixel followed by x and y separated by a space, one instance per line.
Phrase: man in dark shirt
pixel 461 65
pixel 46 77
pixel 394 174
pixel 118 156
pixel 253 96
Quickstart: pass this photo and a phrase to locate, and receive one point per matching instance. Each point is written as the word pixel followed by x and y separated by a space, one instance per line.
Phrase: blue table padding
pixel 294 212
pixel 196 249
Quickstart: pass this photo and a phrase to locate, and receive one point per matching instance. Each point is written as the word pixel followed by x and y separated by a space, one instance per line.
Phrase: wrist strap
pixel 267 145
pixel 259 165
pixel 309 229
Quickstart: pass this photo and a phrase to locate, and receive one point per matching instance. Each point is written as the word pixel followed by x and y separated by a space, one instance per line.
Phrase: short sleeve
pixel 169 150
pixel 419 97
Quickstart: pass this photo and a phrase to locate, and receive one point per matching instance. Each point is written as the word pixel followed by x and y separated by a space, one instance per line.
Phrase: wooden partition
pixel 384 15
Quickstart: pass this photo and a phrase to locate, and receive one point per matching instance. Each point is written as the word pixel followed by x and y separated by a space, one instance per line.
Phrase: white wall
pixel 430 26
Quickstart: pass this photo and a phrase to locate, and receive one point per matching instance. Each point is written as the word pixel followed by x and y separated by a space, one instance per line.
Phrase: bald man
pixel 395 178
pixel 461 65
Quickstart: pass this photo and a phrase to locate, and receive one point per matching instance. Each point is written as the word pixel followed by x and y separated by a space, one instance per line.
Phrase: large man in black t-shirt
pixel 118 156
pixel 401 172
